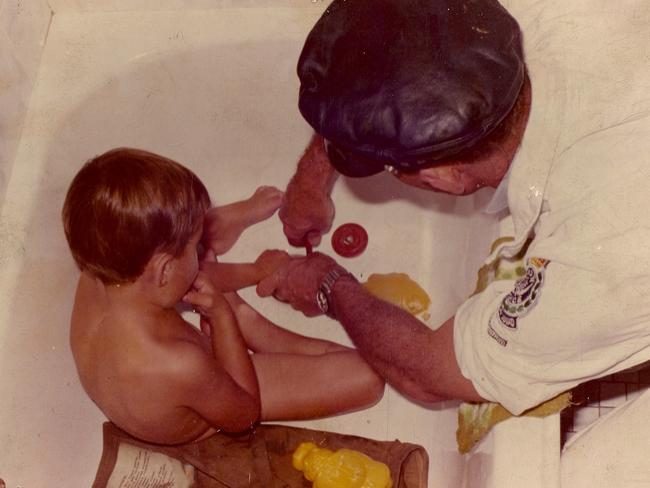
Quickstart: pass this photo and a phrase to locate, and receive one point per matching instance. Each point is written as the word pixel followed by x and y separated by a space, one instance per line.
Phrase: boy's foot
pixel 263 203
pixel 224 225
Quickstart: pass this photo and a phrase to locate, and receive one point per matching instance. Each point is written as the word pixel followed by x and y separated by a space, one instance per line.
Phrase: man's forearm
pixel 307 210
pixel 414 359
pixel 314 170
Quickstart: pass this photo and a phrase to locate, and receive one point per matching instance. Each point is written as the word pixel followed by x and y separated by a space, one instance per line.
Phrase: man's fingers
pixel 295 237
pixel 311 312
pixel 267 286
pixel 271 287
pixel 313 237
pixel 297 231
pixel 274 283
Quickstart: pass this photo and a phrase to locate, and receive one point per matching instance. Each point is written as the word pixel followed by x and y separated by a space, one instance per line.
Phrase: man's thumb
pixel 266 287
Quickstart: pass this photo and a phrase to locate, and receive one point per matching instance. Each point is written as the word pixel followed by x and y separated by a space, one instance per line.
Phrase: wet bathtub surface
pixel 215 90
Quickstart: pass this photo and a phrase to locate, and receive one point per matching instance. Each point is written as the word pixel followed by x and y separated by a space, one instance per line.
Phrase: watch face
pixel 321 299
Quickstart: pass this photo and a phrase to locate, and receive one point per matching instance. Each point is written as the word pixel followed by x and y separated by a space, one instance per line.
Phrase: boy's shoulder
pixel 189 350
pixel 178 349
pixel 152 343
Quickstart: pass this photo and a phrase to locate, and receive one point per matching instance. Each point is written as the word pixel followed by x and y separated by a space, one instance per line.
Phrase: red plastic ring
pixel 349 240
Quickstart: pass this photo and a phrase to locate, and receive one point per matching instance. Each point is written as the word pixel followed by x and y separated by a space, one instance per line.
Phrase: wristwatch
pixel 324 294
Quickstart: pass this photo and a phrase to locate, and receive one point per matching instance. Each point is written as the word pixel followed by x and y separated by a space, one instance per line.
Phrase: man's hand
pixel 307 211
pixel 297 282
pixel 269 261
pixel 305 215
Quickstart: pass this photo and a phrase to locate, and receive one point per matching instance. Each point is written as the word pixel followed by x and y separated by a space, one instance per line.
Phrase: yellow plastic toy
pixel 344 468
pixel 399 289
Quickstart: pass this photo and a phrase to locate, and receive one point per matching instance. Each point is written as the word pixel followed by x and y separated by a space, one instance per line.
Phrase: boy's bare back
pixel 136 365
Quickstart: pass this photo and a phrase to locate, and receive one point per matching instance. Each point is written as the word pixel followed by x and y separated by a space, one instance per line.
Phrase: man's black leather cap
pixel 408 82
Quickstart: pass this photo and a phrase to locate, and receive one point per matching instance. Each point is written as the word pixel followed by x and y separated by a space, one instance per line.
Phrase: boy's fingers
pixel 202 283
pixel 209 255
pixel 205 326
pixel 198 299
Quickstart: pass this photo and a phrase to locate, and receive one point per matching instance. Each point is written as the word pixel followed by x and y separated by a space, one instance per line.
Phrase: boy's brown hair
pixel 127 204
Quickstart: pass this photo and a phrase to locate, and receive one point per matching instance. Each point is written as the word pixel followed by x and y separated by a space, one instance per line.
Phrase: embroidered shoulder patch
pixel 523 298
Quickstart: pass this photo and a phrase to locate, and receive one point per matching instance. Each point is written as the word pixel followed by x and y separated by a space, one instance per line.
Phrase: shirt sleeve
pixel 484 353
pixel 523 342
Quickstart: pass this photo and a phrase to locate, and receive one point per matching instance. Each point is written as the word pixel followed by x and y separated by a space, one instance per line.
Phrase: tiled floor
pixel 595 398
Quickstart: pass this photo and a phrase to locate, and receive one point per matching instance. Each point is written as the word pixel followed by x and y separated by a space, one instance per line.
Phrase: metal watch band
pixel 324 295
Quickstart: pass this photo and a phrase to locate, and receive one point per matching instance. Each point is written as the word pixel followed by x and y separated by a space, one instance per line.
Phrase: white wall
pixel 23 29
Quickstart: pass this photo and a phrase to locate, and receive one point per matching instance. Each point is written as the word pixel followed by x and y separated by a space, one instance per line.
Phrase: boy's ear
pixel 161 267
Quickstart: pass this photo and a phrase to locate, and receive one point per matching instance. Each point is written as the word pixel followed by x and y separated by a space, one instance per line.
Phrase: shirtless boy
pixel 134 221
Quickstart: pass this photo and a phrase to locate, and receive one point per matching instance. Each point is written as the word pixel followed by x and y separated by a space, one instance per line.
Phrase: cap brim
pixel 349 164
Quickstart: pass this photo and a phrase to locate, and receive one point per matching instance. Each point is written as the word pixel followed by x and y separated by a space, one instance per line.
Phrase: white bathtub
pixel 214 88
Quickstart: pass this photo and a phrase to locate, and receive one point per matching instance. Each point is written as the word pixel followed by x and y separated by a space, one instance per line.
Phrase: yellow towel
pixel 476 419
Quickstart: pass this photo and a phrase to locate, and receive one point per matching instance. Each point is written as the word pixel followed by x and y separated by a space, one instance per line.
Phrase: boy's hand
pixel 206 297
pixel 270 260
pixel 208 255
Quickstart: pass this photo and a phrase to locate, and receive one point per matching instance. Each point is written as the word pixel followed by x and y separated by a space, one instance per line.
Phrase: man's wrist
pixel 315 171
pixel 325 294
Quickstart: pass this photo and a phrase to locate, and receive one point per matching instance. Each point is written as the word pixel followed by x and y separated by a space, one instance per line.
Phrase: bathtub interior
pixel 216 90
pixel 23 29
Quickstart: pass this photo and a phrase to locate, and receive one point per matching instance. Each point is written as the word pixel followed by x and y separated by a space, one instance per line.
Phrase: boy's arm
pixel 235 276
pixel 232 276
pixel 228 347
pixel 208 389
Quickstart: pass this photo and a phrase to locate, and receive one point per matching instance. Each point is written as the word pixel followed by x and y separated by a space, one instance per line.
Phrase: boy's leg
pixel 300 386
pixel 223 225
pixel 263 336
pixel 302 377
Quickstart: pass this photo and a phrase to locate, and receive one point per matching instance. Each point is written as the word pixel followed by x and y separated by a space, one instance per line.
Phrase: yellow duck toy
pixel 344 468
